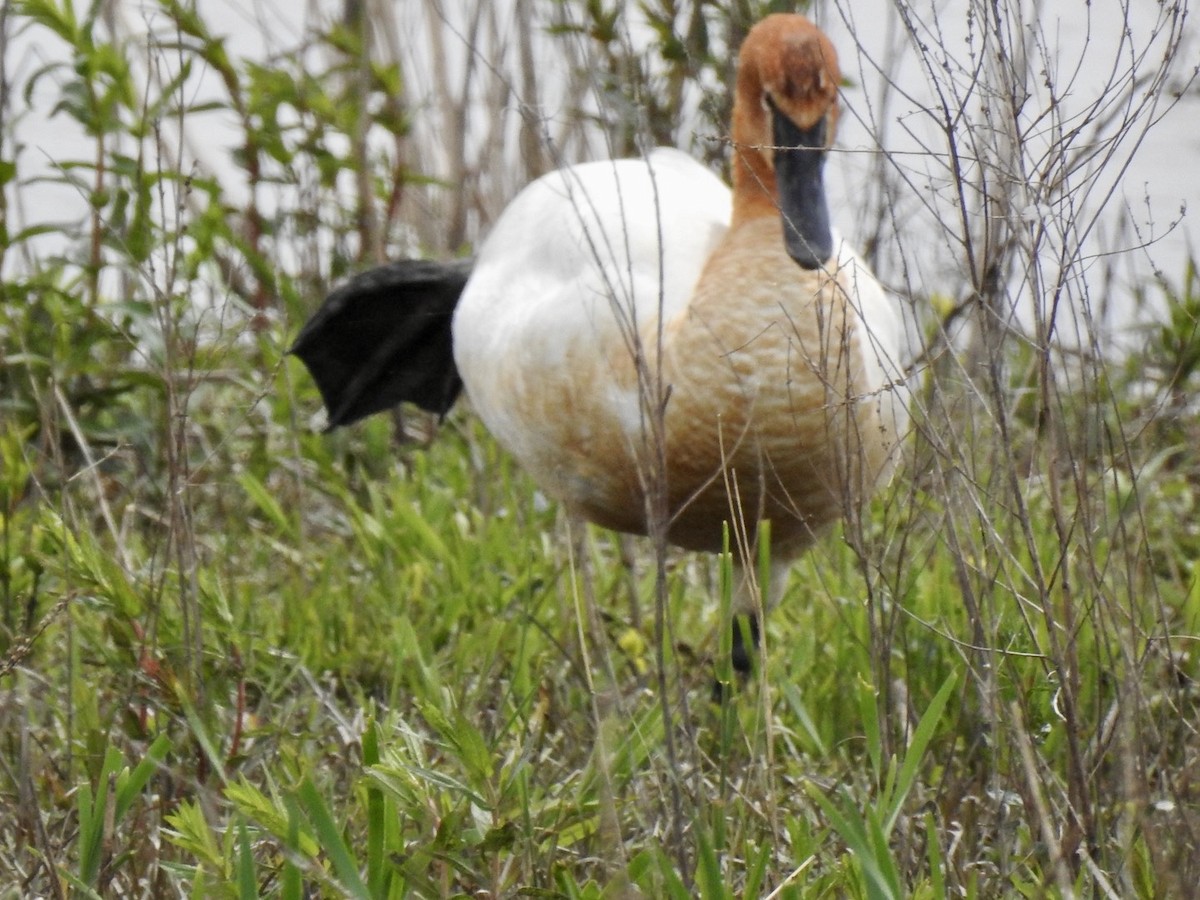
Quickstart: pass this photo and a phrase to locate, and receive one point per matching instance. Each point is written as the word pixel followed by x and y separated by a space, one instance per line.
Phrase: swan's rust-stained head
pixel 786 64
pixel 789 61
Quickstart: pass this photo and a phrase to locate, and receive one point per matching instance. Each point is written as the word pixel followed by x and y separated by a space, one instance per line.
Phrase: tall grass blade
pixel 378 871
pixel 247 882
pixel 332 843
pixel 131 783
pixel 916 753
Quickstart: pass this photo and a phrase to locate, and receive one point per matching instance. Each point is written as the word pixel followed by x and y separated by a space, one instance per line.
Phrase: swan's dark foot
pixel 743 653
pixel 744 649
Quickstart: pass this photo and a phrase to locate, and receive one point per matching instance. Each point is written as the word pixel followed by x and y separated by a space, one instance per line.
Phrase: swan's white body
pixel 580 261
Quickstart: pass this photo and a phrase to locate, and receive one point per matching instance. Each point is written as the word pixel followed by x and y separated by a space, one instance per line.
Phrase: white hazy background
pixel 888 180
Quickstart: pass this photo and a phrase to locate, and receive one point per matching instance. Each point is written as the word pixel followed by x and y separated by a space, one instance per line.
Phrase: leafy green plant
pixel 867 832
pixel 102 807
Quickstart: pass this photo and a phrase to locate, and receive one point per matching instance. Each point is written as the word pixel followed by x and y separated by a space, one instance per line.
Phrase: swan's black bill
pixel 799 161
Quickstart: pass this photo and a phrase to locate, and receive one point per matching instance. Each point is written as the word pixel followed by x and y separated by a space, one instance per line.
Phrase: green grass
pixel 242 658
pixel 399 693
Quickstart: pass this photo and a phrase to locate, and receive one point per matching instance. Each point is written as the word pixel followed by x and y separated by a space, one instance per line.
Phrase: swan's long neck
pixel 755 192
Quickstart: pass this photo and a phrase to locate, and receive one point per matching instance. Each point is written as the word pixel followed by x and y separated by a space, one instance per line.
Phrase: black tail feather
pixel 384 338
